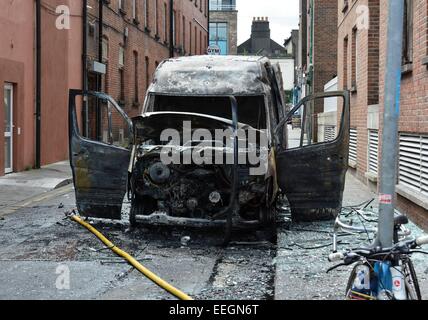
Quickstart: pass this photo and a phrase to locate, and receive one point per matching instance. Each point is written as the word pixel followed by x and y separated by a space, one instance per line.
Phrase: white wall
pixel 330 104
pixel 287 70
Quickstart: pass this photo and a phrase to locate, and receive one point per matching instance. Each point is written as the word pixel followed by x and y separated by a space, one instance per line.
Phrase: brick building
pixel 223 18
pixel 361 66
pixel 60 69
pixel 136 36
pixel 358 71
pixel 317 52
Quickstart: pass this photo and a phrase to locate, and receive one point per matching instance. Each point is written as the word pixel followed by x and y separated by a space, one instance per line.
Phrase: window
pixel 305 128
pixel 190 38
pixel 218 36
pixel 121 56
pixel 146 14
pixel 120 4
pixel 156 18
pixel 184 35
pixel 165 22
pixel 201 45
pixel 196 40
pixel 373 152
pixel 121 86
pixel 147 72
pixel 345 63
pixel 408 32
pixel 413 162
pixel 136 89
pixel 105 49
pixel 353 141
pixel 134 9
pixel 174 28
pixel 222 5
pixel 354 58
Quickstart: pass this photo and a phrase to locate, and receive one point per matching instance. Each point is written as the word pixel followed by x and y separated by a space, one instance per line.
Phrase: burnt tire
pixel 312 215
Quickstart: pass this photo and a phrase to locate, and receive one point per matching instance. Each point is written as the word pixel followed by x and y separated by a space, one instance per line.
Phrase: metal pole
pixel 388 174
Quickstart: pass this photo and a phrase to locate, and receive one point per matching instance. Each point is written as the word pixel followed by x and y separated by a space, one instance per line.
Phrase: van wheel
pixel 267 230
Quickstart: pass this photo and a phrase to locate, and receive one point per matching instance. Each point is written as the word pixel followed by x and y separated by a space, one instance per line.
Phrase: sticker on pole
pixel 214 50
pixel 385 199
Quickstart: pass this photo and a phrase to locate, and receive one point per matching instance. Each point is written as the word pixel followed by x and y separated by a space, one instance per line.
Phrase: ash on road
pixel 38 243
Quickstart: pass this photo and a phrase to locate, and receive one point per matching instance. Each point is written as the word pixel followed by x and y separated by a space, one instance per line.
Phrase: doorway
pixel 8 127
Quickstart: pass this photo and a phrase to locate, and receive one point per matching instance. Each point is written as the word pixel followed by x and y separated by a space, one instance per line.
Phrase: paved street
pixel 38 243
pixel 36 240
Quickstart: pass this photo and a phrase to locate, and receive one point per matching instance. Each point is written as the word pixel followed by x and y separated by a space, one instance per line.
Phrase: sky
pixel 283 16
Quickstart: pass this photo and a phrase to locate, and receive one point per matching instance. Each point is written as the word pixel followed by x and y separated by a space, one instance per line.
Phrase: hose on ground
pixel 146 272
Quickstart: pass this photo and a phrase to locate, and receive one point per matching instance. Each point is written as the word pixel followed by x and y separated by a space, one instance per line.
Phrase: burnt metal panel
pixel 211 75
pixel 313 177
pixel 99 170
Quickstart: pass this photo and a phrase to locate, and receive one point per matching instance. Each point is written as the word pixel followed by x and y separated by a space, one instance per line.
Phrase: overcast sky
pixel 283 16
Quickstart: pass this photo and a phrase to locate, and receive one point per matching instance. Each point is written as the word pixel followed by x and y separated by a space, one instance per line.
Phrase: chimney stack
pixel 260 34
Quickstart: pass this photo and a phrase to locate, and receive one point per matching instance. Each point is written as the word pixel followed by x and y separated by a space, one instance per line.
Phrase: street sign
pixel 214 50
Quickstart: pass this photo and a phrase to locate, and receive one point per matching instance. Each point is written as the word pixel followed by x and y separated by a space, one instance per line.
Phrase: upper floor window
pixel 105 49
pixel 121 57
pixel 222 5
pixel 219 36
pixel 408 32
pixel 165 22
pixel 134 9
pixel 146 14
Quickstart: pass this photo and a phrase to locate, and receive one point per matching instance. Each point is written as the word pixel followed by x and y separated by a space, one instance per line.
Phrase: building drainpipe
pixel 85 114
pixel 38 82
pixel 171 28
pixel 208 23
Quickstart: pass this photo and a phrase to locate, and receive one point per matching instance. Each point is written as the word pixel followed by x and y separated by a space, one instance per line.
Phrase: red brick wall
pixel 414 90
pixel 366 71
pixel 149 40
pixel 325 42
pixel 370 81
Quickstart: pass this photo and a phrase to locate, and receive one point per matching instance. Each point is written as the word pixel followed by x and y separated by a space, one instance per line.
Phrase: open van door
pixel 312 156
pixel 100 156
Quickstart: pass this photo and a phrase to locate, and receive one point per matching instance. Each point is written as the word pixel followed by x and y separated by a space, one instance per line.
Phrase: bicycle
pixel 381 274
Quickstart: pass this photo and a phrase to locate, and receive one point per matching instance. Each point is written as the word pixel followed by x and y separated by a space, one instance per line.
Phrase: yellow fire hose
pixel 146 272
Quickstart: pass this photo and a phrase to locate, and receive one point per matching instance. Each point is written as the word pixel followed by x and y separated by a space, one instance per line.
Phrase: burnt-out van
pixel 214 145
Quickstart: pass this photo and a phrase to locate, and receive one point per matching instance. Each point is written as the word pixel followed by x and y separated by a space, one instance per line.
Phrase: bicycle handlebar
pixel 410 244
pixel 335 257
pixel 422 241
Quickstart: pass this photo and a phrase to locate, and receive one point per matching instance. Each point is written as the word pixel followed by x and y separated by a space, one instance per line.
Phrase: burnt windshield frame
pixel 149 106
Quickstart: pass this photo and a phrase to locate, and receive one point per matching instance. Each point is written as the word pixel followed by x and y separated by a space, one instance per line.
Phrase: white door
pixel 8 127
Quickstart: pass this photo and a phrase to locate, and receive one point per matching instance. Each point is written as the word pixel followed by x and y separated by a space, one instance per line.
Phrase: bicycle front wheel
pixel 411 281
